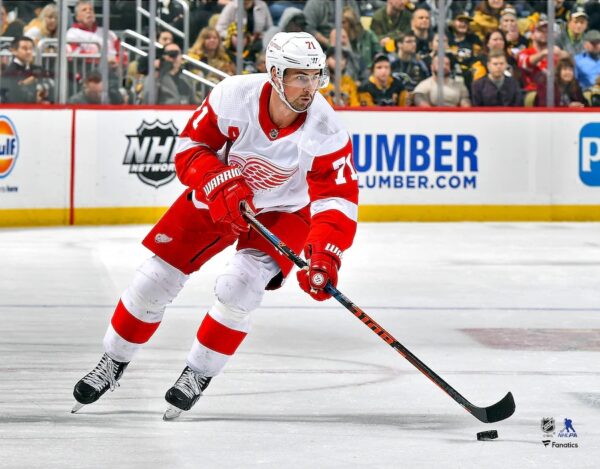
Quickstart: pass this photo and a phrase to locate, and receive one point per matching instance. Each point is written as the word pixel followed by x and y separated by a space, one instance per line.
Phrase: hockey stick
pixel 499 411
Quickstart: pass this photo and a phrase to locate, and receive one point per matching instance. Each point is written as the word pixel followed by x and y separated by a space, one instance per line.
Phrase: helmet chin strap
pixel 281 94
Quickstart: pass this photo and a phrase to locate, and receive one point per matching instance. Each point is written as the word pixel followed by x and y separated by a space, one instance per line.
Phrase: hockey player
pixel 273 142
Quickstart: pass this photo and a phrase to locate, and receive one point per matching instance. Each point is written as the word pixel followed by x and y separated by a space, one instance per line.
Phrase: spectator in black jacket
pixel 496 88
pixel 24 81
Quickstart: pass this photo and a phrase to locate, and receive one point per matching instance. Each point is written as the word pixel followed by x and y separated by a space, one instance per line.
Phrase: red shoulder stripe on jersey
pixel 333 175
pixel 194 164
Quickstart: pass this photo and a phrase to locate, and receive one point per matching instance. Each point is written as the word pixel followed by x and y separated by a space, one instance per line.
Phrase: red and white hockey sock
pixel 216 341
pixel 141 309
pixel 127 331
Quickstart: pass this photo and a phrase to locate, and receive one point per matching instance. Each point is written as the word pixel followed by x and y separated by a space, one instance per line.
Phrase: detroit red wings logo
pixel 261 175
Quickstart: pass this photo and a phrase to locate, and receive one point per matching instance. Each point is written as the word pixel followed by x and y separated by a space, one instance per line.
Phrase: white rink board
pixel 508 159
pixel 101 177
pixel 40 175
pixel 521 158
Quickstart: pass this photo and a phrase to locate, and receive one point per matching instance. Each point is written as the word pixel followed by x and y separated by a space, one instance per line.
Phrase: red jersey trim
pixel 269 128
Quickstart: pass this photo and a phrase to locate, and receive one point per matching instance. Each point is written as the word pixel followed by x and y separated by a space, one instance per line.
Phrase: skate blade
pixel 76 407
pixel 172 413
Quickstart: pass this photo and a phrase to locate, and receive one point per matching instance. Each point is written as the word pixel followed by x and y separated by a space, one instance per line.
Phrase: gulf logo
pixel 9 146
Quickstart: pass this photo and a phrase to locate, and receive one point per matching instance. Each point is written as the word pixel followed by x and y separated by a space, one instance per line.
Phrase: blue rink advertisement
pixel 426 158
pixel 418 161
pixel 469 159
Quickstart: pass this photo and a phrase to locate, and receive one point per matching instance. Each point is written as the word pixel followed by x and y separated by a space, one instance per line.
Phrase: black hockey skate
pixel 185 392
pixel 102 378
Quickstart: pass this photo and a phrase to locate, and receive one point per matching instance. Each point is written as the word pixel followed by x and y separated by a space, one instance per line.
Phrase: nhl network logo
pixel 150 154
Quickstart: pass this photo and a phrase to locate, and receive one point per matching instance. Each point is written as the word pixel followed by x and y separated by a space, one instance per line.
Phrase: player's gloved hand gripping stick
pixel 499 411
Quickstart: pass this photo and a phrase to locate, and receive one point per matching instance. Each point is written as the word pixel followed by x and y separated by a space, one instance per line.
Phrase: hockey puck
pixel 488 435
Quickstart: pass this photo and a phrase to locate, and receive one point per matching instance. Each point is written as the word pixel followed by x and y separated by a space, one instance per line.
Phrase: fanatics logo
pixel 261 175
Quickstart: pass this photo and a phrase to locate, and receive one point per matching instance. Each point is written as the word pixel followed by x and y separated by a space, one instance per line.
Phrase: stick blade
pixel 501 410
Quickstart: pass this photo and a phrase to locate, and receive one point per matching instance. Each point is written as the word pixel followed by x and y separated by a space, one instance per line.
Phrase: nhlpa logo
pixel 9 146
pixel 568 431
pixel 150 153
pixel 589 154
pixel 261 175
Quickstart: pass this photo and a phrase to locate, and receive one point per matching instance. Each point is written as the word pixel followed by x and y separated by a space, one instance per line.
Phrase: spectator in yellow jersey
pixel 487 17
pixel 381 89
pixel 348 88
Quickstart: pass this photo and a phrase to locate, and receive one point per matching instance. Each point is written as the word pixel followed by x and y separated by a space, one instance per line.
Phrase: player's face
pixel 300 87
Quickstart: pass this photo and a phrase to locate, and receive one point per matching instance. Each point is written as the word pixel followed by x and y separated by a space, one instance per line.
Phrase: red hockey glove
pixel 324 260
pixel 224 192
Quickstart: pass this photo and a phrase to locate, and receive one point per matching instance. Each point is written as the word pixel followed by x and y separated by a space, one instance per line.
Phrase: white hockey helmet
pixel 294 50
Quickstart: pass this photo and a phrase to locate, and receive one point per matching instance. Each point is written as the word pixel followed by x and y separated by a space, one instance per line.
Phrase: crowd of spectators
pixel 496 52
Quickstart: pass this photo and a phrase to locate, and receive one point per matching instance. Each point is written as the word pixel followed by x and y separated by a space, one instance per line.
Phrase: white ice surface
pixel 311 387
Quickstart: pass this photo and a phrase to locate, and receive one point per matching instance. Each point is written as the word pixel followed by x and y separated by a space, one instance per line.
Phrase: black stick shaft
pixel 498 411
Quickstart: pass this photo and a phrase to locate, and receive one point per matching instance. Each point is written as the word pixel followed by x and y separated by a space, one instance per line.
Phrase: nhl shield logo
pixel 548 425
pixel 150 152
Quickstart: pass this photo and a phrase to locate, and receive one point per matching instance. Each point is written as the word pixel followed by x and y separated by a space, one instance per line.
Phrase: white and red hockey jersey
pixel 89 41
pixel 309 162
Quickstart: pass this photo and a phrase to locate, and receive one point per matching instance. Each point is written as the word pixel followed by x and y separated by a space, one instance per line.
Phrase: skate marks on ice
pixel 590 399
pixel 541 339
